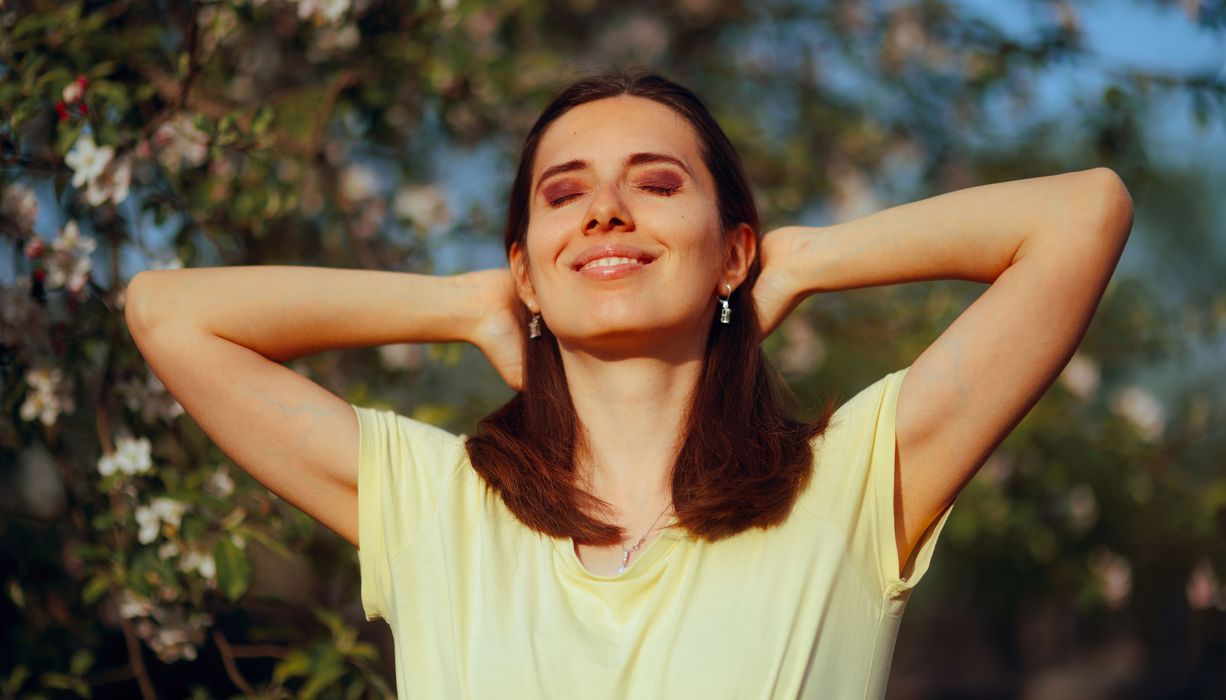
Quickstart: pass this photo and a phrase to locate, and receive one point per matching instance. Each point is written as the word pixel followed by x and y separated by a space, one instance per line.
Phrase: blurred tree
pixel 363 133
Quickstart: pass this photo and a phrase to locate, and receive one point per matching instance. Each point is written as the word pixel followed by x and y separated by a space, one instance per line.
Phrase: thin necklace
pixel 635 548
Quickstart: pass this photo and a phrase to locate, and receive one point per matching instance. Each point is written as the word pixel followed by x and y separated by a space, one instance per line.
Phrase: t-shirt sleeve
pixel 863 430
pixel 403 467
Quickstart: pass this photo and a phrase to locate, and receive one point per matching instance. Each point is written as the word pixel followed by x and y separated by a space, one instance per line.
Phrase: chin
pixel 618 333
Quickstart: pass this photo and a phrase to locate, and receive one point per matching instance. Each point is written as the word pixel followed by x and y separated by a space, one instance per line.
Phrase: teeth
pixel 609 262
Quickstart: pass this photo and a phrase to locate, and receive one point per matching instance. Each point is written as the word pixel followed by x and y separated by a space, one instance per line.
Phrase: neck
pixel 632 412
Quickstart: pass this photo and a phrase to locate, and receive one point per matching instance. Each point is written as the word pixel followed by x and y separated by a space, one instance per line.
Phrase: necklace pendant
pixel 625 558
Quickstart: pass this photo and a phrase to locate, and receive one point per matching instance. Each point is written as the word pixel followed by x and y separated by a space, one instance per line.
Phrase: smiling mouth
pixel 613 262
pixel 600 258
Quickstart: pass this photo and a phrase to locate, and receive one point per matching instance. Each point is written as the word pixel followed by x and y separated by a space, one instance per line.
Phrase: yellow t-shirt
pixel 480 606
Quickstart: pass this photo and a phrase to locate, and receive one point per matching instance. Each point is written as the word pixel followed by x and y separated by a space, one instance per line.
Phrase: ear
pixel 739 251
pixel 523 282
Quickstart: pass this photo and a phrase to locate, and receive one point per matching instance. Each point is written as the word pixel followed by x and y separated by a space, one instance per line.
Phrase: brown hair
pixel 742 462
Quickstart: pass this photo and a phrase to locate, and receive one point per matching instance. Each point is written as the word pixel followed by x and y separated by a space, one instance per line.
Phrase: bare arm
pixel 216 336
pixel 1048 246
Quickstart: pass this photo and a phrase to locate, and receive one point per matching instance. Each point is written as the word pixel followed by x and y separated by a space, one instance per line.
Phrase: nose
pixel 608 211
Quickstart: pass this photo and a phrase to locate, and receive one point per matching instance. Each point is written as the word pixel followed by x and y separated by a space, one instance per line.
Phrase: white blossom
pixel 173 631
pixel 1142 409
pixel 424 205
pixel 20 204
pixel 179 142
pixel 73 91
pixel 1113 574
pixel 149 397
pixel 112 183
pixel 1082 507
pixel 358 183
pixel 69 263
pixel 329 40
pixel 132 605
pixel 169 510
pixel 854 195
pixel 161 511
pixel 220 484
pixel 803 348
pixel 149 524
pixel 49 396
pixel 400 356
pixel 87 159
pixel 175 263
pixel 1080 377
pixel 198 561
pixel 1202 589
pixel 322 11
pixel 131 456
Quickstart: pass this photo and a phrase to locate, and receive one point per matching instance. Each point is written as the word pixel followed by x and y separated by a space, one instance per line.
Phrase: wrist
pixel 481 297
pixel 806 258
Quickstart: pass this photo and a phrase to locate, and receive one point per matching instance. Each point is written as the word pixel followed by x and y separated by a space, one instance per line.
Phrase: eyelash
pixel 667 191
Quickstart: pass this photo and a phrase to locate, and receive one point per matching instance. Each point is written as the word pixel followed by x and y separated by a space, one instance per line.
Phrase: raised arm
pixel 1048 246
pixel 216 337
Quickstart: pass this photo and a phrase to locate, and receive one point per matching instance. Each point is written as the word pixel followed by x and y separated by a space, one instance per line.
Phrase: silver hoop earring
pixel 534 327
pixel 725 311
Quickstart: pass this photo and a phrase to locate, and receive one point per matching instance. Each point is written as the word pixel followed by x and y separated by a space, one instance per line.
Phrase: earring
pixel 725 311
pixel 534 326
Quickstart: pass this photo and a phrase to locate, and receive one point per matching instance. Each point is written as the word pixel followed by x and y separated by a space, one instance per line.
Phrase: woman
pixel 642 519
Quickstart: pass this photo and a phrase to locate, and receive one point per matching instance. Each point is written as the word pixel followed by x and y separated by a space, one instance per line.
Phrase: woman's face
pixel 624 245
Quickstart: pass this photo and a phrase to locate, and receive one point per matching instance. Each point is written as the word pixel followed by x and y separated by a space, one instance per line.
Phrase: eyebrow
pixel 633 160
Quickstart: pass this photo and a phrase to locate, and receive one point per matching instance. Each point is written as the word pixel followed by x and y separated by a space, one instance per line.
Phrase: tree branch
pixel 227 658
pixel 135 660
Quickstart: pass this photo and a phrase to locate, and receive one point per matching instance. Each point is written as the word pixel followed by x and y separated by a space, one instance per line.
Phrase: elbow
pixel 136 311
pixel 1117 212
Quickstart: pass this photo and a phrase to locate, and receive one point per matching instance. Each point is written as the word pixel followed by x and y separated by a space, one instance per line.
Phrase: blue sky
pixel 1128 35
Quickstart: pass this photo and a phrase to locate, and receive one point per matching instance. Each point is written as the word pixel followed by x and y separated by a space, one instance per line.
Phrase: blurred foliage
pixel 134 557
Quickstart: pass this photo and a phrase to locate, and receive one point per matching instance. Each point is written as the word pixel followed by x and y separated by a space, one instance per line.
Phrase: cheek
pixel 544 246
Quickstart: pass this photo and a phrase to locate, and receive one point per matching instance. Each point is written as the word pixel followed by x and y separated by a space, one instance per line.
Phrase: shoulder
pixel 864 413
pixel 386 436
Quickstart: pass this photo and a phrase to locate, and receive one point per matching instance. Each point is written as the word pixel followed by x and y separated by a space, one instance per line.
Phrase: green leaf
pixel 95 588
pixel 297 663
pixel 59 681
pixel 81 662
pixel 327 671
pixel 263 119
pixel 101 68
pixel 365 650
pixel 15 679
pixel 103 521
pixel 233 569
pixel 57 77
pixel 193 528
pixel 29 24
pixel 252 533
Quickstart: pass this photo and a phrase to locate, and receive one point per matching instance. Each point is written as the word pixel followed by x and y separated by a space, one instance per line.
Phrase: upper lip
pixel 611 251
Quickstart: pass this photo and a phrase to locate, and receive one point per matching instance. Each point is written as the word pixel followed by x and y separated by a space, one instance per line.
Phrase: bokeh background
pixel 1087 558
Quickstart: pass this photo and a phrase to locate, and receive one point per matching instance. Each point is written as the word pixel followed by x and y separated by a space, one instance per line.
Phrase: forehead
pixel 609 129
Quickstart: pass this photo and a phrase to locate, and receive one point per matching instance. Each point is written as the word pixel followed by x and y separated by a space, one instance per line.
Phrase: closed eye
pixel 660 189
pixel 563 199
